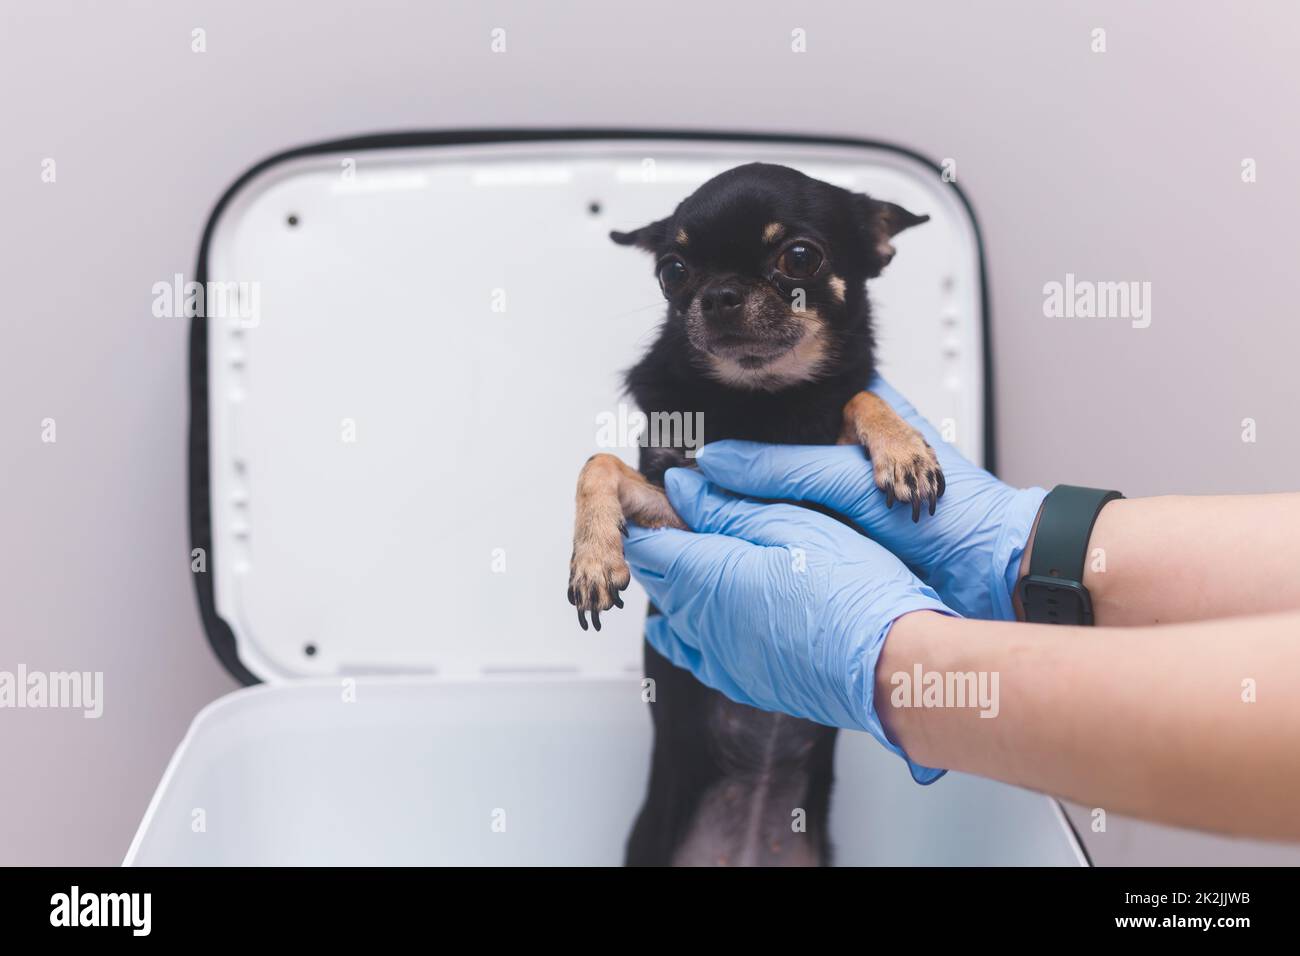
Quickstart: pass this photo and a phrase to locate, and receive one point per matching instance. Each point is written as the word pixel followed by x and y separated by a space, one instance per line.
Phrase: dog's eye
pixel 800 260
pixel 672 274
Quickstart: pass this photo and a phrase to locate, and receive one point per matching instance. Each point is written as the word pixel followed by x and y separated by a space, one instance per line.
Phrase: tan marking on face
pixel 837 287
pixel 801 364
pixel 682 238
pixel 773 231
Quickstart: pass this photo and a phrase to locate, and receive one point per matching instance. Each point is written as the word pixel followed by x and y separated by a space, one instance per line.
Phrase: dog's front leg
pixel 904 465
pixel 610 493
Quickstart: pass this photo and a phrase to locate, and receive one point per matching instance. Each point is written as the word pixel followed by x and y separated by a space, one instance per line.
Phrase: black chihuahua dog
pixel 768 334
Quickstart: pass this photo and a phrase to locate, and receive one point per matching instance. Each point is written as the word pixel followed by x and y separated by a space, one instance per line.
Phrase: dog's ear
pixel 882 221
pixel 650 237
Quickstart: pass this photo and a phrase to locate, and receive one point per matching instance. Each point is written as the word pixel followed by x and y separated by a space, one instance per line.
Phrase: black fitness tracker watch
pixel 1053 592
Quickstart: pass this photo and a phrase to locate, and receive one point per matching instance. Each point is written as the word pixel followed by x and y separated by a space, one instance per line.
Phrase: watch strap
pixel 1053 592
pixel 1064 527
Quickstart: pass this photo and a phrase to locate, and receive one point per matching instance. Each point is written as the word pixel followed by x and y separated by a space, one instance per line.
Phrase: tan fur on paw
pixel 904 465
pixel 908 471
pixel 597 573
pixel 609 491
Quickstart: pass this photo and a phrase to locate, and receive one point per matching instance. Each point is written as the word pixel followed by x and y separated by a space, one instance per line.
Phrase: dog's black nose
pixel 722 303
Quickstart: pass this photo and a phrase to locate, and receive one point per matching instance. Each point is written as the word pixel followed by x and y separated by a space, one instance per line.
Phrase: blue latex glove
pixel 969 551
pixel 774 605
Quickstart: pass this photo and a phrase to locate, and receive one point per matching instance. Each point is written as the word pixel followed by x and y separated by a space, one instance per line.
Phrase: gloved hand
pixel 774 605
pixel 969 551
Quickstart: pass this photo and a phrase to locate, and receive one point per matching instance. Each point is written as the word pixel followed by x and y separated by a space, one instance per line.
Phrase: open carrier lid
pixel 412 344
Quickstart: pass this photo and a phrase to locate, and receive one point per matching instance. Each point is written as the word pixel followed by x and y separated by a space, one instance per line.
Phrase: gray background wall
pixel 1123 165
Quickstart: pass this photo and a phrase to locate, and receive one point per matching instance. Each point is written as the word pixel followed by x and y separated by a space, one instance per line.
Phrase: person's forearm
pixel 1192 724
pixel 1163 560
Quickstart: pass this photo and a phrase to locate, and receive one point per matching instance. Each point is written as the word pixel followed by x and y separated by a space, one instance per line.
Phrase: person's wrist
pixel 1021 568
pixel 1095 579
pixel 1105 589
pixel 904 639
pixel 1012 550
pixel 977 562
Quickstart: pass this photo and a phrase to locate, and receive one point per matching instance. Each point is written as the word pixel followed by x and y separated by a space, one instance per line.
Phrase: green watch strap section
pixel 1064 527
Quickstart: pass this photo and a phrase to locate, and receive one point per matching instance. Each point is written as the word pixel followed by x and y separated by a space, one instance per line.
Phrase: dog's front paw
pixel 906 469
pixel 596 576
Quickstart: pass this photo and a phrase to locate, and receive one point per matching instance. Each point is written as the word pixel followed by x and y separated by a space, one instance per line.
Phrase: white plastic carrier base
pixel 412 344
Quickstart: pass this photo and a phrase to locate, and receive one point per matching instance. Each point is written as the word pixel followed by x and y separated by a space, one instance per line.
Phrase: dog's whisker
pixel 622 315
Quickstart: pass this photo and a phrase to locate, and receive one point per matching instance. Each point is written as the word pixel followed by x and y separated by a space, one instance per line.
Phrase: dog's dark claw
pixel 572 597
pixel 595 619
pixel 942 484
pixel 582 618
pixel 618 600
pixel 889 497
pixel 914 494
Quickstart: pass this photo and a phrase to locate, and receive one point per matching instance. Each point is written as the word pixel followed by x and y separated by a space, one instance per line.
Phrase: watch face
pixel 1055 601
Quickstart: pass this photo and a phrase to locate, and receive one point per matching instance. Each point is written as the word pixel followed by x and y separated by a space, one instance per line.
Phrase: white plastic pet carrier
pixel 408 347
